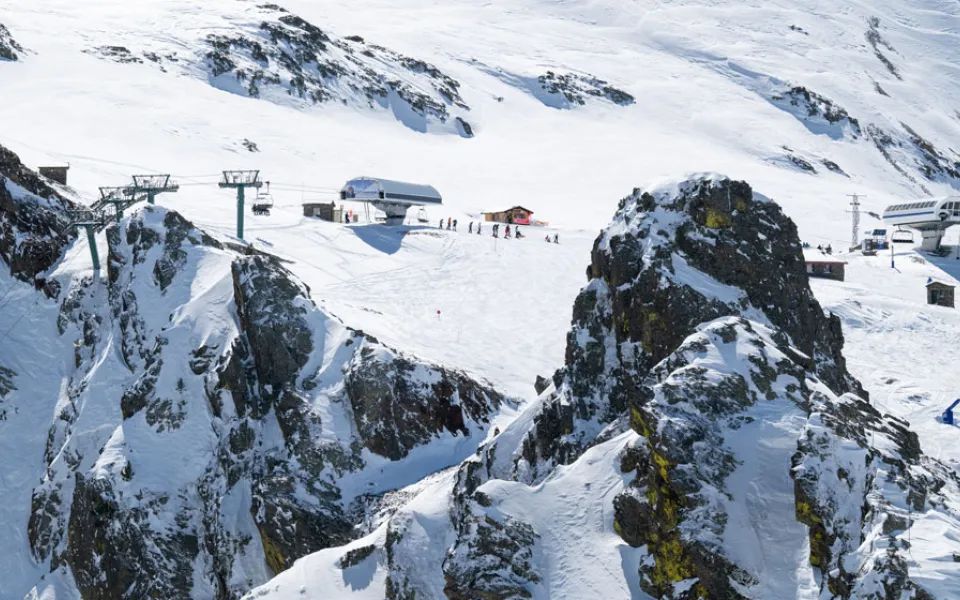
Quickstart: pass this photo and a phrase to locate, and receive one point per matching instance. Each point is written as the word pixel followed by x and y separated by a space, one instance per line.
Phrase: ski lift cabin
pixel 263 202
pixel 391 197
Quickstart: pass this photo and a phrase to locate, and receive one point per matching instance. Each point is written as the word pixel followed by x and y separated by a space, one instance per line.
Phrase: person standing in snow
pixel 506 235
pixel 496 229
pixel 470 227
pixel 441 224
pixel 478 228
pixel 546 238
pixel 516 232
pixel 454 224
pixel 556 238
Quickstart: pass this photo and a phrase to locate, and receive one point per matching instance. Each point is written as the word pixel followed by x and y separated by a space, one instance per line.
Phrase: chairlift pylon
pixel 902 236
pixel 263 202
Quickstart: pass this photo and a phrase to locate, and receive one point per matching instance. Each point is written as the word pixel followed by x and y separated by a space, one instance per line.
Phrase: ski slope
pixel 702 75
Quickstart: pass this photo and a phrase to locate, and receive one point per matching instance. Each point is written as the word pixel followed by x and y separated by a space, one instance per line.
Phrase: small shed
pixel 823 265
pixel 321 210
pixel 939 293
pixel 58 174
pixel 517 214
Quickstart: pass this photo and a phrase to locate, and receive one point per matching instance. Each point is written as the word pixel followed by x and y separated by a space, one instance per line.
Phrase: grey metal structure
pixel 392 197
pixel 240 180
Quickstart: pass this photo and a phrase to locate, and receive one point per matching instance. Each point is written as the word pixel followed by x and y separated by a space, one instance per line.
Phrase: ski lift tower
pixel 151 185
pixel 241 180
pixel 92 221
pixel 119 197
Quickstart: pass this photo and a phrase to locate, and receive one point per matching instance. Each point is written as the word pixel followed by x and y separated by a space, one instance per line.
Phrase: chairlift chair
pixel 263 202
pixel 422 215
pixel 902 236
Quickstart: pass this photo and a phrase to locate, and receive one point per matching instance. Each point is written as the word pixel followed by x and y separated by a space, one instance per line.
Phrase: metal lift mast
pixel 151 185
pixel 92 221
pixel 241 180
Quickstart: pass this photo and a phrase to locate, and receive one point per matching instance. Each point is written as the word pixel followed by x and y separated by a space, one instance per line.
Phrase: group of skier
pixel 452 226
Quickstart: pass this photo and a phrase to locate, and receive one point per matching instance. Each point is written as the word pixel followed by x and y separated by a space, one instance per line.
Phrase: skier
pixel 506 235
pixel 478 228
pixel 454 224
pixel 516 232
pixel 546 238
pixel 496 229
pixel 448 223
pixel 441 224
pixel 829 249
pixel 470 227
pixel 556 238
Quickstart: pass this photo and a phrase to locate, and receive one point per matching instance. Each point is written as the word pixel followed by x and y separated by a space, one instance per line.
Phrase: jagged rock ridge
pixel 211 474
pixel 297 56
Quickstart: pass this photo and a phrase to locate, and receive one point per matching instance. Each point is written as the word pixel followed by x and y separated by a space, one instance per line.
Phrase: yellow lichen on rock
pixel 275 559
pixel 717 219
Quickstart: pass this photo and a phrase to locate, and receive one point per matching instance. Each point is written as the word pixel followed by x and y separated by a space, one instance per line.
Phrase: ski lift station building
pixel 930 217
pixel 391 197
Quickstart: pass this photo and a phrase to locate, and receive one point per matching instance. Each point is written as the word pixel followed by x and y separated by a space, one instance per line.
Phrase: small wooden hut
pixel 939 293
pixel 516 215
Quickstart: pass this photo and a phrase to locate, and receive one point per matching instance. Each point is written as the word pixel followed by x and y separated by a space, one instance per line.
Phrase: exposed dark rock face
pixel 907 150
pixel 113 555
pixel 819 114
pixel 120 54
pixel 8 46
pixel 878 43
pixel 398 404
pixel 290 53
pixel 493 559
pixel 33 222
pixel 576 89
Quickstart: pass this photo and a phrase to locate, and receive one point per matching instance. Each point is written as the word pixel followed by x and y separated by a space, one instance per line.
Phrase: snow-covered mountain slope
pixel 805 101
pixel 559 106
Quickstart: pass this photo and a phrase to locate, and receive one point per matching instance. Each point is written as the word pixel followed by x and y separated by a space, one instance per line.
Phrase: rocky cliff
pixel 218 425
pixel 33 222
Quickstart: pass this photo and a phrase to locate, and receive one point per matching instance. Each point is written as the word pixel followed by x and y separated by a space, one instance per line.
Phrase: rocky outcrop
pixel 291 54
pixel 575 89
pixel 245 385
pixel 399 404
pixel 672 259
pixel 33 222
pixel 8 46
pixel 818 114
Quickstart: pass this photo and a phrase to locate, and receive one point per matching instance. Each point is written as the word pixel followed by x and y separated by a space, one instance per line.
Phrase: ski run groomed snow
pixel 710 82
